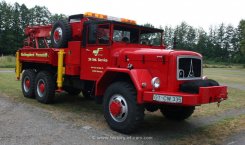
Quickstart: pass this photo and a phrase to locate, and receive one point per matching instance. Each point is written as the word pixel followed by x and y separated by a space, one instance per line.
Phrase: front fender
pixel 137 77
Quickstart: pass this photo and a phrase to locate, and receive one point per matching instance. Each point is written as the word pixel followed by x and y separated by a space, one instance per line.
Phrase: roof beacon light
pixel 101 16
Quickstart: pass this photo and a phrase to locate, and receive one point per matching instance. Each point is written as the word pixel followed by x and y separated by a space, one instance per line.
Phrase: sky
pixel 197 13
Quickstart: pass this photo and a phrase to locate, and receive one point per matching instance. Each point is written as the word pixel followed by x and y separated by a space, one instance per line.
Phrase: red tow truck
pixel 118 63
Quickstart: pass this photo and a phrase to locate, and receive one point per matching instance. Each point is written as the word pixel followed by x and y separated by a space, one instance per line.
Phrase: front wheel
pixel 121 110
pixel 177 112
pixel 44 87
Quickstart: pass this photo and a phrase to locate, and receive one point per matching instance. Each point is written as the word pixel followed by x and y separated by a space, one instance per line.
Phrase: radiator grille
pixel 189 68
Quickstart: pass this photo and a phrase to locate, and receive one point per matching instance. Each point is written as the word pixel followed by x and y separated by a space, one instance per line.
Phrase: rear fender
pixel 136 76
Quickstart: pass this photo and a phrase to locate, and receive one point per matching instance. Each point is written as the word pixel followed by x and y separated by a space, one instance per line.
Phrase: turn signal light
pixel 128 21
pixel 101 16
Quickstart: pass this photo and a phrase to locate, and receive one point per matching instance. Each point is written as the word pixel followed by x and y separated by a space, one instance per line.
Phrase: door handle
pixel 87 50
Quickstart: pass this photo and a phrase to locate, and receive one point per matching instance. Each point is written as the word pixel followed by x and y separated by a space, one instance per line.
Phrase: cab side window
pixel 92 34
pixel 99 34
pixel 103 34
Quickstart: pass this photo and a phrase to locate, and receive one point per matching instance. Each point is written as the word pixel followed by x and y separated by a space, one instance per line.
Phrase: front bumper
pixel 206 95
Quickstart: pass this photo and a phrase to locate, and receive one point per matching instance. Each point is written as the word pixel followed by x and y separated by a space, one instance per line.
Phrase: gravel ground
pixel 6 71
pixel 26 124
pixel 236 86
pixel 23 124
pixel 236 139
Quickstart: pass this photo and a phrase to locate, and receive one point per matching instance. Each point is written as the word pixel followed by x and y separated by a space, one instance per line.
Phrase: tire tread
pixel 32 74
pixel 50 87
pixel 178 113
pixel 66 36
pixel 138 113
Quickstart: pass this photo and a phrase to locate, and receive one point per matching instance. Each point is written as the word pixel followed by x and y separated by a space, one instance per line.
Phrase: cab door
pixel 95 56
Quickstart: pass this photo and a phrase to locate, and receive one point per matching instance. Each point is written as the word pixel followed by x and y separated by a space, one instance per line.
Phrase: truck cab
pixel 104 41
pixel 118 63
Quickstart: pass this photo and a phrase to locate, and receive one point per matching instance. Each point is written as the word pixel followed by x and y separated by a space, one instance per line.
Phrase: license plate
pixel 167 99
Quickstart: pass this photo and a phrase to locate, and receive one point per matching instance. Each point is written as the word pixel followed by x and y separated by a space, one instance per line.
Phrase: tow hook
pixel 220 100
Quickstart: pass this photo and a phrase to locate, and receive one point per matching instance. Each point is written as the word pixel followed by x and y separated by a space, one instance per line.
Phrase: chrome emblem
pixel 191 72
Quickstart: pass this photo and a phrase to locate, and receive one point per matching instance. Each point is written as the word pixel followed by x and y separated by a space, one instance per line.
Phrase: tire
pixel 28 83
pixel 44 87
pixel 121 110
pixel 60 34
pixel 193 86
pixel 178 113
pixel 72 91
pixel 212 82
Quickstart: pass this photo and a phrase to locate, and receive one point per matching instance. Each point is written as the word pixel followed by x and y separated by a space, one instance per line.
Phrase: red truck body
pixel 104 63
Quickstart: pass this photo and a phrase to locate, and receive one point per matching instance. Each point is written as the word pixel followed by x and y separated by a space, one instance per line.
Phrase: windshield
pixel 136 35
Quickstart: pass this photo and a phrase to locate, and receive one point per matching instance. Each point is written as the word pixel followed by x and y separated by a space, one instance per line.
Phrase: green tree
pixel 223 42
pixel 211 44
pixel 57 17
pixel 14 19
pixel 16 28
pixel 228 45
pixel 241 36
pixel 168 36
pixel 191 38
pixel 180 34
pixel 235 53
pixel 25 16
pixel 202 41
pixel 6 31
pixel 1 24
pixel 39 15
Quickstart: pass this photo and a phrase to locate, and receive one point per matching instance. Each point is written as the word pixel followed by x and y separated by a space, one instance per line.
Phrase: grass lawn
pixel 226 75
pixel 7 61
pixel 216 133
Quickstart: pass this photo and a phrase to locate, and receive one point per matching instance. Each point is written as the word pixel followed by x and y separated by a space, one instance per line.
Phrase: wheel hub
pixel 118 108
pixel 57 34
pixel 28 83
pixel 115 108
pixel 41 87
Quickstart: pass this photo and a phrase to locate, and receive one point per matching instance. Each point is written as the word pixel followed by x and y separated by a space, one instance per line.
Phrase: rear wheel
pixel 28 83
pixel 121 110
pixel 44 87
pixel 177 112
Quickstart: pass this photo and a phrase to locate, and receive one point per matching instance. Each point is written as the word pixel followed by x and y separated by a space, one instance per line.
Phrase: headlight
pixel 155 82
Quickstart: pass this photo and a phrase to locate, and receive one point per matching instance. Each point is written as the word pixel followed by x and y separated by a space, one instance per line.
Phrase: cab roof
pixel 95 20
